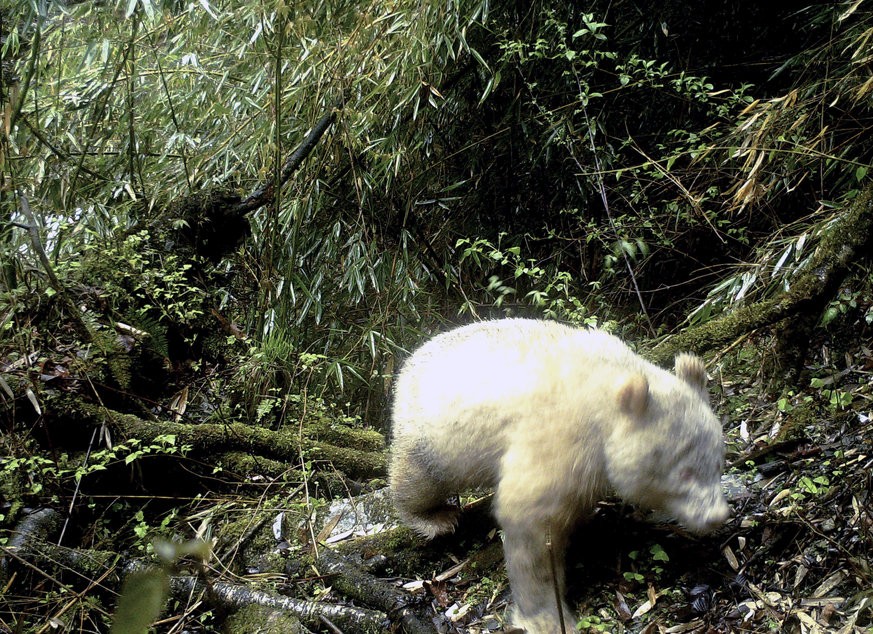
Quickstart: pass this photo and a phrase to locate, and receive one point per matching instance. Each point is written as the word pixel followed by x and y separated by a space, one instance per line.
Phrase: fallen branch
pixel 35 526
pixel 846 242
pixel 355 583
pixel 265 193
pixel 235 596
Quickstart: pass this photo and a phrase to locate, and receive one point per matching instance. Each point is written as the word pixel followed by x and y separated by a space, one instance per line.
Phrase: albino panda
pixel 554 418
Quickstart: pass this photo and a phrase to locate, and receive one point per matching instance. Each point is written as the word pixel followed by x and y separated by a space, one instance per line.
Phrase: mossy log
pixel 846 242
pixel 358 453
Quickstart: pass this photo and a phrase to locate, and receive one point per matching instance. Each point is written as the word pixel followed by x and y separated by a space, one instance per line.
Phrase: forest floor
pixel 794 557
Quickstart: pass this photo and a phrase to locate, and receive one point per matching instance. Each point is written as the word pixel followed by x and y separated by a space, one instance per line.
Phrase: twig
pixel 608 211
pixel 76 489
pixel 354 582
pixel 64 156
pixel 55 283
pixel 236 596
pixel 93 565
pixel 558 599
pixel 327 623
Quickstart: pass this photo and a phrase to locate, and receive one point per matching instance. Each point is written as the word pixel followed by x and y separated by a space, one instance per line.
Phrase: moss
pixel 408 553
pixel 250 532
pixel 259 619
pixel 802 417
pixel 285 444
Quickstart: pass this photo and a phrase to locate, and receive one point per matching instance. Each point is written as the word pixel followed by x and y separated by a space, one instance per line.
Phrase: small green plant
pixel 633 576
pixel 808 486
pixel 486 589
pixel 847 300
pixel 592 623
pixel 657 555
pixel 133 272
pixel 792 400
pixel 146 533
pixel 38 475
pixel 128 452
pixel 836 398
pixel 814 486
pixel 38 470
pixel 634 556
pixel 836 471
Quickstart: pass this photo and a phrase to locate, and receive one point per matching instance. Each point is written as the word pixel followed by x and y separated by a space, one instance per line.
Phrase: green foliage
pixel 633 576
pixel 273 379
pixel 139 105
pixel 484 589
pixel 656 556
pixel 846 300
pixel 791 400
pixel 38 470
pixel 658 553
pixel 771 270
pixel 550 159
pixel 805 487
pixel 108 79
pixel 629 206
pixel 147 537
pixel 134 273
pixel 814 486
pixel 36 475
pixel 678 190
pixel 544 288
pixel 156 333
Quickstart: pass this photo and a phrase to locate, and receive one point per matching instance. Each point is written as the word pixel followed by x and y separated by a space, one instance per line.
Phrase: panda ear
pixel 690 369
pixel 633 396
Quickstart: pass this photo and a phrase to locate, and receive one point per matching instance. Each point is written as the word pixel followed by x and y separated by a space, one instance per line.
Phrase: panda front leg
pixel 534 543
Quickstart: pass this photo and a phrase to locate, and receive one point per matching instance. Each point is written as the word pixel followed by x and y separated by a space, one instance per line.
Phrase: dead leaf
pixel 32 398
pixel 179 403
pixel 621 607
pixel 437 589
pixel 731 558
pixel 451 572
pixel 328 527
pixel 652 594
pixel 684 627
pixel 829 584
pixel 644 607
